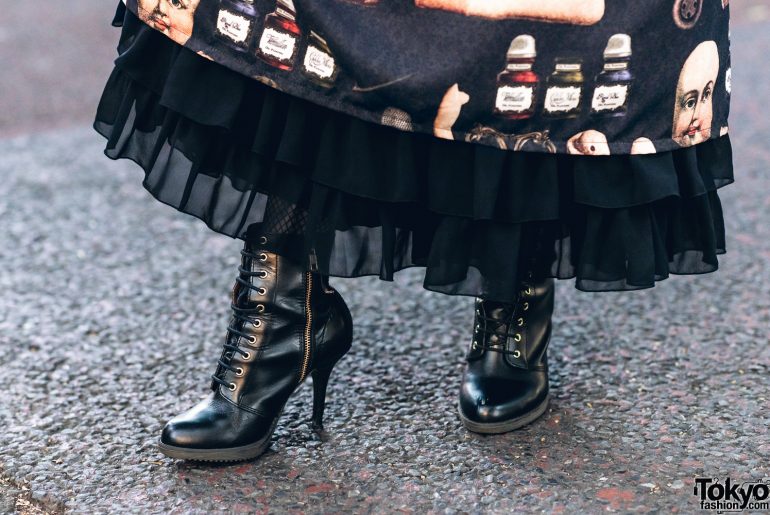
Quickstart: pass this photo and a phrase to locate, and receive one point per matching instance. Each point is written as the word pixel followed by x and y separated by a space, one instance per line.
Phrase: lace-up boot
pixel 286 324
pixel 505 383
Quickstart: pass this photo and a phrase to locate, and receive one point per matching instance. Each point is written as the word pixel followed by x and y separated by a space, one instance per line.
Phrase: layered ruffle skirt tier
pixel 348 197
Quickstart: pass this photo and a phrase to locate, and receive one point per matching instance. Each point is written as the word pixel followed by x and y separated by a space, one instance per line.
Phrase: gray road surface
pixel 113 308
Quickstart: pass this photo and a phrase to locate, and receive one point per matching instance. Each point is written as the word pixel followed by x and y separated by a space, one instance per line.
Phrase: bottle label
pixel 615 66
pixel 277 44
pixel 568 67
pixel 514 98
pixel 562 98
pixel 609 98
pixel 318 62
pixel 233 26
pixel 519 66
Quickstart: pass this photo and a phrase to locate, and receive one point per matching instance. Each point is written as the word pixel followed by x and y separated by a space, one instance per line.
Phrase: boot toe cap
pixel 180 433
pixel 213 424
pixel 193 431
pixel 499 401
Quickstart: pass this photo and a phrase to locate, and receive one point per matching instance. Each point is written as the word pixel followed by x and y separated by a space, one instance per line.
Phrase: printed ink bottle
pixel 318 63
pixel 235 23
pixel 612 84
pixel 280 37
pixel 564 88
pixel 517 84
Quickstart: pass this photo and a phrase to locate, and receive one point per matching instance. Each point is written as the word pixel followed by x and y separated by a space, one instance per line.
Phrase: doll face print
pixel 693 111
pixel 174 18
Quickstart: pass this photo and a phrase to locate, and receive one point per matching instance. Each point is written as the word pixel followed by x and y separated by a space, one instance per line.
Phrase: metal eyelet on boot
pixel 262 273
pixel 246 356
pixel 239 372
pixel 516 353
pixel 262 256
pixel 262 291
pixel 252 340
pixel 260 308
pixel 525 306
pixel 520 321
pixel 517 337
pixel 232 387
pixel 263 239
pixel 257 323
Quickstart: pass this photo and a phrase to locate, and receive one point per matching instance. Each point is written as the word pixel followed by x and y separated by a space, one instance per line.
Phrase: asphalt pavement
pixel 113 308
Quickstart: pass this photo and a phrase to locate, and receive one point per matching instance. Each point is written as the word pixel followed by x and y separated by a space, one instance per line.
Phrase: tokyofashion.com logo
pixel 729 495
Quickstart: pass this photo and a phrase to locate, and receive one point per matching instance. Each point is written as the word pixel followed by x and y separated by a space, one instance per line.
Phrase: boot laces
pixel 488 325
pixel 243 313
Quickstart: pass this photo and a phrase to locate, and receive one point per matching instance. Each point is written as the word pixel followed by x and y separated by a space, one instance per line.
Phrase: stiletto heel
pixel 320 381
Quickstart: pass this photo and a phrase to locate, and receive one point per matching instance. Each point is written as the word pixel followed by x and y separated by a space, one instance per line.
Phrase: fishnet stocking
pixel 284 217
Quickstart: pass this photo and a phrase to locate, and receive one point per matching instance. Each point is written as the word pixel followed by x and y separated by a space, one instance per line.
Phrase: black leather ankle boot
pixel 287 324
pixel 505 383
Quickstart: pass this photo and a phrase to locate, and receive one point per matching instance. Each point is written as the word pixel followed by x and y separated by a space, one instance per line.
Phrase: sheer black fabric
pixel 356 198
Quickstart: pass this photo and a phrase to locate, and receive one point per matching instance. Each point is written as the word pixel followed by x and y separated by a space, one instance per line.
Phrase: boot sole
pixel 505 426
pixel 241 453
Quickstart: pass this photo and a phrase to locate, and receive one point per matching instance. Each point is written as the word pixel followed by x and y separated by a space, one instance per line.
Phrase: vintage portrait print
pixel 175 18
pixel 576 12
pixel 693 111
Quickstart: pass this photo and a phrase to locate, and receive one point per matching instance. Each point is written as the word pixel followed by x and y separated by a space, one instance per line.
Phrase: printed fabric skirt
pixel 367 199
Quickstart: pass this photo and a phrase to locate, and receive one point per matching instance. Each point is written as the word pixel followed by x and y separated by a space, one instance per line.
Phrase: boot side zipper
pixel 308 324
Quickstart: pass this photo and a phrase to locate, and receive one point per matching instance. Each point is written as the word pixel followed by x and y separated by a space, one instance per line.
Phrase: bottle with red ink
pixel 517 84
pixel 280 37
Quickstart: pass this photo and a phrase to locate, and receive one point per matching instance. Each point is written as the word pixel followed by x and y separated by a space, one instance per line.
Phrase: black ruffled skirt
pixel 367 199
